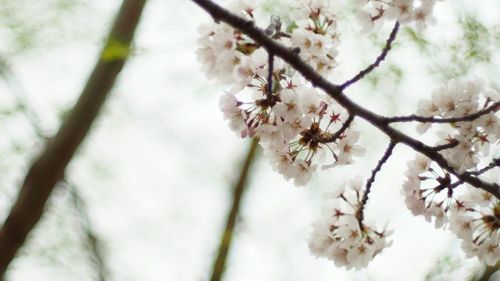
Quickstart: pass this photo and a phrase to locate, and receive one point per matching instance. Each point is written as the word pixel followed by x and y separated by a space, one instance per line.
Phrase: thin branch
pixel 376 63
pixel 371 180
pixel 98 257
pixel 471 117
pixel 238 191
pixel 288 55
pixel 493 164
pixel 8 74
pixel 49 168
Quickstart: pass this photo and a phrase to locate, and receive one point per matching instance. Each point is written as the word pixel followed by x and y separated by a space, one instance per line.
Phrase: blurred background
pixel 152 184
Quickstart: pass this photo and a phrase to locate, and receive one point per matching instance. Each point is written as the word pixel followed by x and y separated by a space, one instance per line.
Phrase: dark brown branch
pixel 270 67
pixel 376 63
pixel 415 118
pixel 371 180
pixel 49 168
pixel 238 191
pixel 335 91
pixel 451 144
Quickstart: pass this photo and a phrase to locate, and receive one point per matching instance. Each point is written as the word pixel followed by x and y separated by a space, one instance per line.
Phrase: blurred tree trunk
pixel 49 168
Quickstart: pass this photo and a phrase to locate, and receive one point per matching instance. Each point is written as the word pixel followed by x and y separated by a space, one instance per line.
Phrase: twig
pixel 493 164
pixel 335 91
pixel 376 63
pixel 238 191
pixel 92 239
pixel 415 118
pixel 371 180
pixel 20 95
pixel 49 168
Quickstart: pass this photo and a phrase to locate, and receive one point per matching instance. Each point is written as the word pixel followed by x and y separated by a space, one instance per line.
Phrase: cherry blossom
pixel 473 138
pixel 340 236
pixel 475 219
pixel 373 12
pixel 472 214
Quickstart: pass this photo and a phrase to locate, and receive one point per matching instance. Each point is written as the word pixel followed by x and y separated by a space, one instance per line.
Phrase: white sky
pixel 157 169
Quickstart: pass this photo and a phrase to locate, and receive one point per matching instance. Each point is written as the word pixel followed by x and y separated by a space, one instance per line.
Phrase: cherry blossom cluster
pixel 299 127
pixel 222 49
pixel 341 235
pixel 472 139
pixel 436 194
pixel 472 214
pixel 373 13
pixel 432 200
pixel 475 218
pixel 312 31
